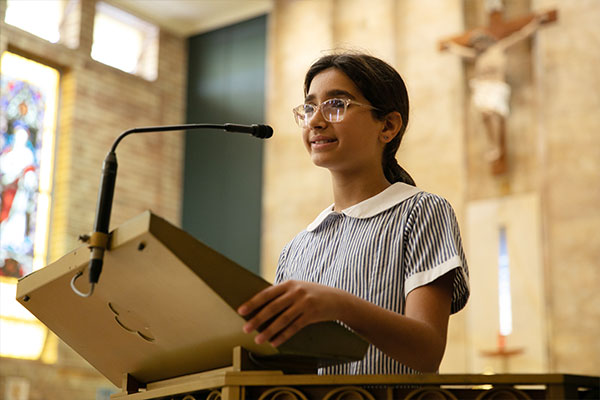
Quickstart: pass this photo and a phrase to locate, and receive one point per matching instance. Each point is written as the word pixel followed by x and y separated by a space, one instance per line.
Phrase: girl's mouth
pixel 322 141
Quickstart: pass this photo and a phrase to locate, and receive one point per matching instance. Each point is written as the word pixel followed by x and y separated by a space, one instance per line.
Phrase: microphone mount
pixel 99 239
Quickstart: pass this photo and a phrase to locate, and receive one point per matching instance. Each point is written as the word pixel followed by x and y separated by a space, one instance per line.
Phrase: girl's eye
pixel 335 103
pixel 308 109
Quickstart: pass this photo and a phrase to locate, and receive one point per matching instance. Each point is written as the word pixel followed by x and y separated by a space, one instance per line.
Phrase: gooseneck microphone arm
pixel 98 241
pixel 259 131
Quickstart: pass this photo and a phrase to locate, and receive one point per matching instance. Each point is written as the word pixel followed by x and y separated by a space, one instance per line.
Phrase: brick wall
pixel 97 103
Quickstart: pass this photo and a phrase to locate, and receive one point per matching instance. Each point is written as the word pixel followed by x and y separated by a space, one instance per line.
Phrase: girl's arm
pixel 416 339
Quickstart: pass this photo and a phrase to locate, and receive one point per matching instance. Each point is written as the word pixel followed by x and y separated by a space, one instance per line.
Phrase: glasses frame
pixel 302 120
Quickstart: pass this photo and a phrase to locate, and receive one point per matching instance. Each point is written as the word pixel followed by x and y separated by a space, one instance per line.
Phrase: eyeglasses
pixel 333 110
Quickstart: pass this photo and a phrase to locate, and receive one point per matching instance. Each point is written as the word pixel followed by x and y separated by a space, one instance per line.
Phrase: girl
pixel 386 258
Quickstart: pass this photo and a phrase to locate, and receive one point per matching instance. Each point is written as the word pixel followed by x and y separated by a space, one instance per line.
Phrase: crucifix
pixel 486 47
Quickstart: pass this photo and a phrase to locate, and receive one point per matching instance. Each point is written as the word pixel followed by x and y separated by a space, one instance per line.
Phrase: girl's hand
pixel 289 307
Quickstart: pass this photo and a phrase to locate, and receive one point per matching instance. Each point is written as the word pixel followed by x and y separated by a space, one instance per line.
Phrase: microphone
pixel 259 131
pixel 98 241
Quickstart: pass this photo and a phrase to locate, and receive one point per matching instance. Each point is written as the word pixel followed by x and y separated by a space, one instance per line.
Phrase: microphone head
pixel 262 131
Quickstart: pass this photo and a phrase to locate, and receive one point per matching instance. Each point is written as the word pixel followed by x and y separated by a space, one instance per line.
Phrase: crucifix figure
pixel 490 94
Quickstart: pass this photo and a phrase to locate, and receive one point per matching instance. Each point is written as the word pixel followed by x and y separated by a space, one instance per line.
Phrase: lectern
pixel 165 308
pixel 161 324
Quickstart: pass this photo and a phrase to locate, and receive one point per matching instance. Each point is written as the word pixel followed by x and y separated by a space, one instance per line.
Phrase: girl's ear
pixel 391 126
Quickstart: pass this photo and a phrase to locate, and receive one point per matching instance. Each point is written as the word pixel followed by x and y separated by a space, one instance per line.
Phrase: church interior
pixel 522 170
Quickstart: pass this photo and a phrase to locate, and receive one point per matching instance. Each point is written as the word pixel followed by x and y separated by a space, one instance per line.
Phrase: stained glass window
pixel 28 97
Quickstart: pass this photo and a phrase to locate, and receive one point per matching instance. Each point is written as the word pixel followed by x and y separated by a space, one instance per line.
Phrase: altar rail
pixel 227 384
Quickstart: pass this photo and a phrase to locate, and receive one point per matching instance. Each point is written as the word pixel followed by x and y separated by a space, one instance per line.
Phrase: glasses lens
pixel 303 113
pixel 298 118
pixel 334 109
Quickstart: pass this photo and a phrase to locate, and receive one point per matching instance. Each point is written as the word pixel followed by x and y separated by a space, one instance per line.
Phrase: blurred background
pixel 518 160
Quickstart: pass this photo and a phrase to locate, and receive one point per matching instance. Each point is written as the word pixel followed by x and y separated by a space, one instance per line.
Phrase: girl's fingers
pixel 259 299
pixel 282 310
pixel 283 327
pixel 270 310
pixel 290 331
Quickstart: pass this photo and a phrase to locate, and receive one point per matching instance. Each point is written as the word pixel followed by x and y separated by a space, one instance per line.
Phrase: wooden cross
pixel 503 353
pixel 487 46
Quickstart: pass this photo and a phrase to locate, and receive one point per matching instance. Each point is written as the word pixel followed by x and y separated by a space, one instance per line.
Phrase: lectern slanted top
pixel 165 307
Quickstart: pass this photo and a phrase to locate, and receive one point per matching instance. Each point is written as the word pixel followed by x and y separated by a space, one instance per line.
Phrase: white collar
pixel 394 194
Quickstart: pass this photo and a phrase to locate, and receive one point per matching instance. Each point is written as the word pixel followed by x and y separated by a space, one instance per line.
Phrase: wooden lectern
pixel 161 324
pixel 165 307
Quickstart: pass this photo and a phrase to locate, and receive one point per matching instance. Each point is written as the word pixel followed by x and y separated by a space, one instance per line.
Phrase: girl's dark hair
pixel 383 87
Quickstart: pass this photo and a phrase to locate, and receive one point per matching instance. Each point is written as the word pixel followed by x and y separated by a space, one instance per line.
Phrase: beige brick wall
pixel 97 103
pixel 567 89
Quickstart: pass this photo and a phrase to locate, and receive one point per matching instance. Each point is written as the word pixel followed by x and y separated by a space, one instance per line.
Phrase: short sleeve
pixel 434 248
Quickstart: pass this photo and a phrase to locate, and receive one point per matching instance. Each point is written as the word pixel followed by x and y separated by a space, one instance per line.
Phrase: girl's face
pixel 353 145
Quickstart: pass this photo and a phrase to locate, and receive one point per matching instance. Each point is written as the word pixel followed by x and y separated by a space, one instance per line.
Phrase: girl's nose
pixel 317 120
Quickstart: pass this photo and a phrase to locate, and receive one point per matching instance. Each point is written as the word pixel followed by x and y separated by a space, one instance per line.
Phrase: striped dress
pixel 380 250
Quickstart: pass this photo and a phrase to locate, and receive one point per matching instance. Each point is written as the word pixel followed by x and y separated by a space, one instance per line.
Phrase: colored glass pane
pixel 28 96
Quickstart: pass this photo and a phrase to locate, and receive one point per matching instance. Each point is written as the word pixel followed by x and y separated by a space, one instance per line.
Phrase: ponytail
pixel 392 170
